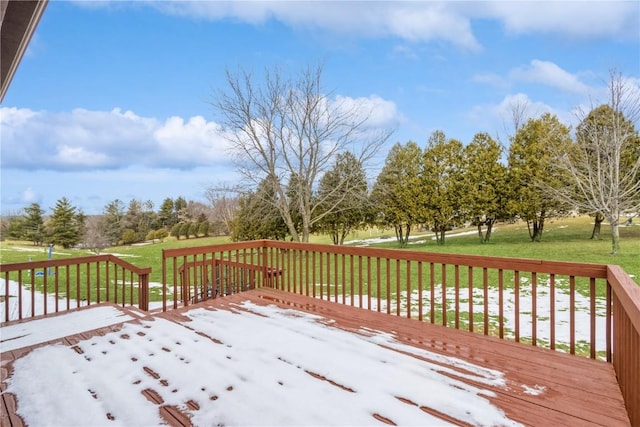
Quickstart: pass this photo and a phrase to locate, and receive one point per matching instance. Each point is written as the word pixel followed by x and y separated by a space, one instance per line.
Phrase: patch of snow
pixel 261 358
pixel 46 329
pixel 535 390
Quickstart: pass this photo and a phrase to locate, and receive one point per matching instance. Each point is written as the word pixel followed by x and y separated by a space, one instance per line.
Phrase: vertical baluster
pixel 378 283
pixel 388 286
pixel 78 298
pixel 56 291
pixel 98 282
pixel 501 302
pixel 306 272
pixel 485 288
pixel 6 301
pixel 88 267
pixel 368 283
pixel 351 280
pixel 288 256
pixel 124 286
pixel 397 287
pixel 335 277
pixel 360 281
pixel 131 288
pixel 344 278
pixel 552 309
pixel 470 290
pixel 409 289
pixel 330 263
pixel 456 279
pixel 321 270
pixel 444 294
pixel 516 303
pixel 33 292
pixel 67 287
pixel 44 287
pixel 420 291
pixel 313 274
pixel 608 322
pixel 592 316
pixel 534 308
pixel 432 284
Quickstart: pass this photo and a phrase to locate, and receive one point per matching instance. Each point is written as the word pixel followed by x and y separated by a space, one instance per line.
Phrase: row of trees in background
pixel 68 226
pixel 304 159
pixel 291 143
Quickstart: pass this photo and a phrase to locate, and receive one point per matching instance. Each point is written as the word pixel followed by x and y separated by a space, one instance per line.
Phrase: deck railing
pixel 37 288
pixel 592 310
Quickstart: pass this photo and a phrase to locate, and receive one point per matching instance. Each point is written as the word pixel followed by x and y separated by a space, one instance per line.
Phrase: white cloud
pixel 549 74
pixel 90 140
pixel 540 72
pixel 193 142
pixel 116 139
pixel 411 21
pixel 583 19
pixel 424 21
pixel 382 113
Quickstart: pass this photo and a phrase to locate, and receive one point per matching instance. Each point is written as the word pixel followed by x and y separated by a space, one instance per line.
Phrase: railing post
pixel 266 277
pixel 626 338
pixel 143 292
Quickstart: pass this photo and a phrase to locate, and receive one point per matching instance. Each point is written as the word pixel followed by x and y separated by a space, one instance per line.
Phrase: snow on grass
pixel 525 314
pixel 29 309
pixel 255 365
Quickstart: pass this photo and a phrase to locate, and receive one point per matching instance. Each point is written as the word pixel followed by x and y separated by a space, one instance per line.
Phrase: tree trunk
pixel 480 235
pixel 615 239
pixel 595 234
pixel 538 225
pixel 402 236
pixel 489 229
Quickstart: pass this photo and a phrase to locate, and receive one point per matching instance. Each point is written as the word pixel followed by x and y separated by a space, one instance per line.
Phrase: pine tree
pixel 343 191
pixel 33 226
pixel 66 224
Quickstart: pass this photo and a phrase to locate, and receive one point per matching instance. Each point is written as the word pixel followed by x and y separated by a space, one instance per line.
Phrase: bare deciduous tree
pixel 280 129
pixel 604 160
pixel 224 203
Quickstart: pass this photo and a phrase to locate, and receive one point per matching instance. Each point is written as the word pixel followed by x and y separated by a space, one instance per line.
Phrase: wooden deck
pixel 568 390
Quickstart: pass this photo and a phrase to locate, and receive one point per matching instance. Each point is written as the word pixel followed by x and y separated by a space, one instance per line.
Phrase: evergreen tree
pixel 203 228
pixel 485 177
pixel 344 189
pixel 443 184
pixel 113 221
pixel 532 169
pixel 257 218
pixel 175 230
pixel 166 215
pixel 66 224
pixel 397 194
pixel 33 226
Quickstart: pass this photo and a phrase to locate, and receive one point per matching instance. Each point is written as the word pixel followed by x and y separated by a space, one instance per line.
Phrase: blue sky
pixel 112 99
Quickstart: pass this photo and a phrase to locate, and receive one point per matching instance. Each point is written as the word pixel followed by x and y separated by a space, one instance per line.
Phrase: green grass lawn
pixel 563 240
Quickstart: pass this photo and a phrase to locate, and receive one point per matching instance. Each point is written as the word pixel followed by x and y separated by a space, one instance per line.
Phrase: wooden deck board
pixel 577 391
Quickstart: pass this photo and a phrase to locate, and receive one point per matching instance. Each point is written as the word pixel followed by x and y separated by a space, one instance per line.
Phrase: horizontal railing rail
pixel 36 288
